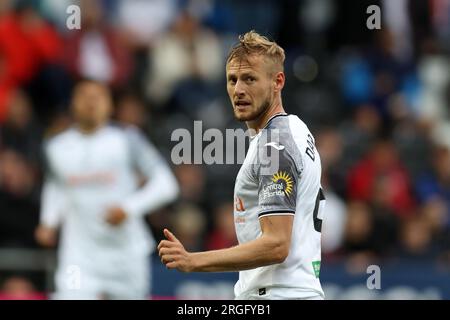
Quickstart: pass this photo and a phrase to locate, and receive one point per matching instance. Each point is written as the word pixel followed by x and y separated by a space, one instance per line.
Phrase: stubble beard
pixel 254 115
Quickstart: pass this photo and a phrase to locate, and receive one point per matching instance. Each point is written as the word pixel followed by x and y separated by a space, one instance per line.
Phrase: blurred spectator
pixel 412 141
pixel 381 179
pixel 369 230
pixel 356 77
pixel 5 7
pixel 440 14
pixel 433 189
pixel 358 249
pixel 409 22
pixel 436 213
pixel 20 132
pixel 27 44
pixel 396 16
pixel 416 240
pixel 189 225
pixel 191 179
pixel 358 229
pixel 55 12
pixel 330 145
pixel 131 110
pixel 144 20
pixel 97 50
pixel 20 213
pixel 389 73
pixel 189 56
pixel 19 288
pixel 346 29
pixel 433 71
pixel 357 135
pixel 223 234
pixel 385 230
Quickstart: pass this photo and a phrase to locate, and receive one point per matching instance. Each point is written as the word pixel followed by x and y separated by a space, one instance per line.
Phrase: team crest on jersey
pixel 281 185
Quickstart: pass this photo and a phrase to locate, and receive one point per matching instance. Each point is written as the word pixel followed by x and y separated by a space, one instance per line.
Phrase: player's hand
pixel 173 254
pixel 115 216
pixel 46 236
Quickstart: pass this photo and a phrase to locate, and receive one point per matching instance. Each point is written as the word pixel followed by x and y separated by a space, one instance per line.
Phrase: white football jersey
pixel 89 173
pixel 281 176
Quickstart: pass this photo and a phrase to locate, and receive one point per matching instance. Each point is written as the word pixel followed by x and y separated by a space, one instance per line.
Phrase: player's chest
pixel 91 156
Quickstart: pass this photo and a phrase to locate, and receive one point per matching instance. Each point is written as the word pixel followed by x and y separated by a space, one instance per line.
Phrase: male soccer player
pixel 92 190
pixel 278 208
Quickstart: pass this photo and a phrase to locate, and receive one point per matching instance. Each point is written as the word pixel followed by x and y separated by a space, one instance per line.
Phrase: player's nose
pixel 239 90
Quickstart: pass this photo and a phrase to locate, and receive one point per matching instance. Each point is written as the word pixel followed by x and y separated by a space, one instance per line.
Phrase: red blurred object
pixel 31 296
pixel 122 63
pixel 27 42
pixel 381 179
pixel 219 240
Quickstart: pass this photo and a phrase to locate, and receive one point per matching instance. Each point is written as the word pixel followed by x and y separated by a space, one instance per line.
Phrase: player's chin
pixel 243 115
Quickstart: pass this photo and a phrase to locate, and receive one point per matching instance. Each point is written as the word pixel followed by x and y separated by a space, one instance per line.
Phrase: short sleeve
pixel 277 176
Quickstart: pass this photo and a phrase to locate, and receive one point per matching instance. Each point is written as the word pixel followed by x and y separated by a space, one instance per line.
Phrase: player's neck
pixel 88 129
pixel 261 122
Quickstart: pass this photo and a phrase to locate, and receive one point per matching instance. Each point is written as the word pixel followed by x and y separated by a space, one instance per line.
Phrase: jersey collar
pixel 281 114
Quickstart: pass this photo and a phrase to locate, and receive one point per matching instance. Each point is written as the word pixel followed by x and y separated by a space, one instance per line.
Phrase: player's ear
pixel 279 80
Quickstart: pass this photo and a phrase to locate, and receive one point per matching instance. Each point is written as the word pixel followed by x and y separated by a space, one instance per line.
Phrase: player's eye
pixel 232 81
pixel 250 79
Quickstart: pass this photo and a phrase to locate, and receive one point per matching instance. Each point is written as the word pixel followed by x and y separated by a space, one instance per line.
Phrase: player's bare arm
pixel 271 247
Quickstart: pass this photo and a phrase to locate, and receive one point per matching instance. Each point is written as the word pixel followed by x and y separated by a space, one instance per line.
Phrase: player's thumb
pixel 169 235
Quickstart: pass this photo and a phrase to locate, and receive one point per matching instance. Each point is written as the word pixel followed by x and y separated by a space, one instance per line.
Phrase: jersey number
pixel 310 150
pixel 317 211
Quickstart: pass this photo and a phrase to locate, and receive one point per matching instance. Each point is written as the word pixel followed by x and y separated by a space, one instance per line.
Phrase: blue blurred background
pixel 377 101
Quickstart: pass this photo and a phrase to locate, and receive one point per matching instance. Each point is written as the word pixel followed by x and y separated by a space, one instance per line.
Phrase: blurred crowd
pixel 377 101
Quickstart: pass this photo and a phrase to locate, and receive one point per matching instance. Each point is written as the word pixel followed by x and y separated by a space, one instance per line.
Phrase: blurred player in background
pixel 278 208
pixel 94 192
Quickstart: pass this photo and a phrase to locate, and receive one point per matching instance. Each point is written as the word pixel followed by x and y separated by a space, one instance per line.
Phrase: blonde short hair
pixel 252 43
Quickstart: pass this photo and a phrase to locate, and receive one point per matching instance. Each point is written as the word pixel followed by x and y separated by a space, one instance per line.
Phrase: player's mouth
pixel 241 104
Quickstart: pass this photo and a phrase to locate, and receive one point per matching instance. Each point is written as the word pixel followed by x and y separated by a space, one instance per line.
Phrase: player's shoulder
pixel 123 129
pixel 285 134
pixel 125 132
pixel 289 123
pixel 59 139
pixel 133 136
pixel 283 130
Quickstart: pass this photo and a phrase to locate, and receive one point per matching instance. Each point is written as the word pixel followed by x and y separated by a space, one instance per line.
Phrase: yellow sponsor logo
pixel 285 179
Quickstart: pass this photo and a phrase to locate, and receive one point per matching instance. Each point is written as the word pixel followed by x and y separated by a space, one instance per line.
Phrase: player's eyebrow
pixel 242 75
pixel 248 74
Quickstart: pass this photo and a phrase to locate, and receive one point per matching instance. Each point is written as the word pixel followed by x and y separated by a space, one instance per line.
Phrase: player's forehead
pixel 245 64
pixel 90 87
